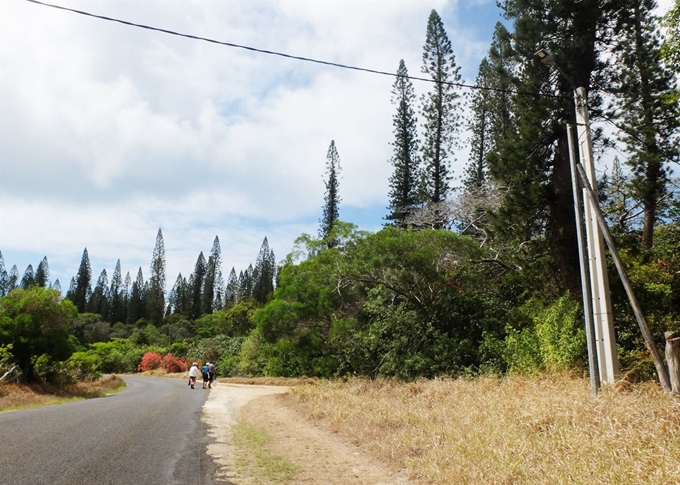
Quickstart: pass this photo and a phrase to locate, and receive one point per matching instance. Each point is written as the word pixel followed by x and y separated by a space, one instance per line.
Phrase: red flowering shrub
pixel 172 364
pixel 150 361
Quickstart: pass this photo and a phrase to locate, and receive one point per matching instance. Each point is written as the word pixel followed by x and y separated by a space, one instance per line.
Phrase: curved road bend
pixel 149 434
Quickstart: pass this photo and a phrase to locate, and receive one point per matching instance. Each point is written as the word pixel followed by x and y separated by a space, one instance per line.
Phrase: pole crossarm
pixel 637 310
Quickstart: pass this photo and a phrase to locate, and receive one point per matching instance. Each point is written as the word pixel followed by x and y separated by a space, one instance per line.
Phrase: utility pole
pixel 599 281
pixel 602 316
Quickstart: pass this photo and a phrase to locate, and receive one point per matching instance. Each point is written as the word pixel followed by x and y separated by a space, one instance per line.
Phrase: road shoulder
pixel 319 456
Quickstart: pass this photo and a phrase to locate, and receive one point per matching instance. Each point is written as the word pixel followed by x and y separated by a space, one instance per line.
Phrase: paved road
pixel 149 434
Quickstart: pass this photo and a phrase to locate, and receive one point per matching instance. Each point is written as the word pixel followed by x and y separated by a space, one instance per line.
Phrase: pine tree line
pixel 127 301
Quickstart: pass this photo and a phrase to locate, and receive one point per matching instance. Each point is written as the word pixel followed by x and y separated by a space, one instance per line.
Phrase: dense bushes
pixel 396 303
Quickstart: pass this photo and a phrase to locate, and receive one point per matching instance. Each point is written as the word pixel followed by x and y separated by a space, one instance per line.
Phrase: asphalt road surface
pixel 149 434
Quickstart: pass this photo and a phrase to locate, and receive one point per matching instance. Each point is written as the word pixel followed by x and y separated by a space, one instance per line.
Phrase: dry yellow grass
pixel 16 396
pixel 505 431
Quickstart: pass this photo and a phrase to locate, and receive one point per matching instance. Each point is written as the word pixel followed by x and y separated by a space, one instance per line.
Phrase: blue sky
pixel 108 132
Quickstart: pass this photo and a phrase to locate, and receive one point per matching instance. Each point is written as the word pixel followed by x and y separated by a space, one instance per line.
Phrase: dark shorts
pixel 206 377
pixel 192 378
pixel 212 377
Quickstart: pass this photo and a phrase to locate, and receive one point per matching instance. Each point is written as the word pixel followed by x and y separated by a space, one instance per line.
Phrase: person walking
pixel 211 374
pixel 206 375
pixel 193 373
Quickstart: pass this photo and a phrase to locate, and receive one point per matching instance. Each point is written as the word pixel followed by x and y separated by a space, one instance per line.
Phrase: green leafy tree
pixel 155 296
pixel 331 207
pixel 440 111
pixel 403 192
pixel 36 322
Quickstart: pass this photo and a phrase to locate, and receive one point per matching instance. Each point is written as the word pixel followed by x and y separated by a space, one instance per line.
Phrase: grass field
pixel 513 430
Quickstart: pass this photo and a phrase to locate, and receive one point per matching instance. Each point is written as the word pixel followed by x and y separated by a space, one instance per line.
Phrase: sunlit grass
pixel 545 430
pixel 14 397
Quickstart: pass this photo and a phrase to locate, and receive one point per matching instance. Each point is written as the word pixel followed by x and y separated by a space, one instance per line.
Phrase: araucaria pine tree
pixel 136 307
pixel 404 180
pixel 648 111
pixel 42 274
pixel 440 112
pixel 264 273
pixel 155 298
pixel 196 281
pixel 213 275
pixel 81 292
pixel 331 207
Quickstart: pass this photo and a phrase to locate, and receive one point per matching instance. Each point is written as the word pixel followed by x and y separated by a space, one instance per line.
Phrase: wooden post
pixel 673 359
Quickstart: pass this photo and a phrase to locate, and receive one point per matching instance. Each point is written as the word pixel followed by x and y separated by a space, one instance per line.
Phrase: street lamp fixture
pixel 544 56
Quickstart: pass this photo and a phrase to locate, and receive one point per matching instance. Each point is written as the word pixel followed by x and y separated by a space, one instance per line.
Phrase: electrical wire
pixel 287 56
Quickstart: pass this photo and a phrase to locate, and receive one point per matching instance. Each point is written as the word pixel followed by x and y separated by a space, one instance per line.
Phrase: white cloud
pixel 108 132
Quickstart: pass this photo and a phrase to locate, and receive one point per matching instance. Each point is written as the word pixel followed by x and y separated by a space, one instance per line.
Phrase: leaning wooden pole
pixel 637 310
pixel 673 359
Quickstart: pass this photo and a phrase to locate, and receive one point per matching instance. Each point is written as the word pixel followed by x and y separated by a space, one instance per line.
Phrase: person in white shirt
pixel 193 372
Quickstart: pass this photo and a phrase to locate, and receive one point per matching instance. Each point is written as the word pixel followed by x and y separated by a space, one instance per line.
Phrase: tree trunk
pixel 673 359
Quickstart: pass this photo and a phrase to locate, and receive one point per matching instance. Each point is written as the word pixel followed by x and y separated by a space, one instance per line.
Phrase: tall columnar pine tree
pixel 116 296
pixel 245 283
pixel 28 279
pixel 231 292
pixel 13 278
pixel 4 277
pixel 42 274
pixel 177 296
pixel 650 122
pixel 213 275
pixel 440 113
pixel 57 286
pixel 82 291
pixel 533 162
pixel 403 192
pixel 99 301
pixel 136 303
pixel 264 273
pixel 490 124
pixel 331 207
pixel 155 297
pixel 196 281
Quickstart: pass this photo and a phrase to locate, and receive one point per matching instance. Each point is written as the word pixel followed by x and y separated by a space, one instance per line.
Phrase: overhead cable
pixel 288 56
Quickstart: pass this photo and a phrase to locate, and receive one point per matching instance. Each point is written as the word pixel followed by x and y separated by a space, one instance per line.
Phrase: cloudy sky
pixel 110 132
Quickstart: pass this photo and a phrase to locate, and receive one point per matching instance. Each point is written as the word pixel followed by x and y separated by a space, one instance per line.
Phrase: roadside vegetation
pixel 545 429
pixel 22 396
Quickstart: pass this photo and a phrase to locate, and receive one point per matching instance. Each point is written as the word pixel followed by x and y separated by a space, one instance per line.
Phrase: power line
pixel 281 54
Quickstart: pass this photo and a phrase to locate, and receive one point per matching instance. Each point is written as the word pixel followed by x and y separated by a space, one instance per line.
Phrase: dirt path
pixel 320 457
